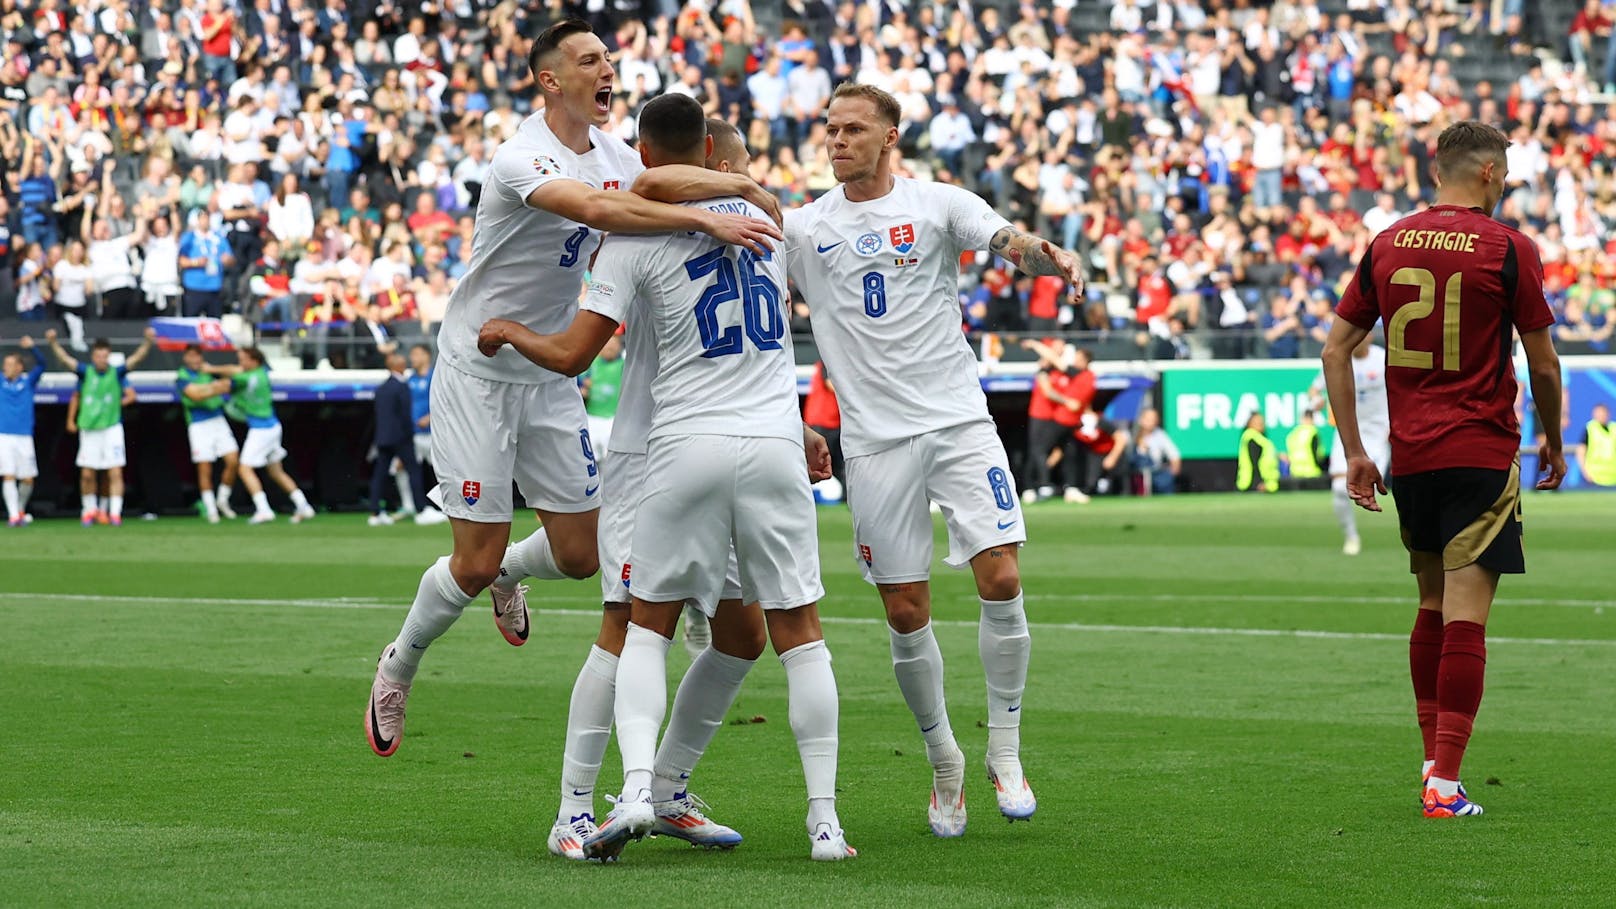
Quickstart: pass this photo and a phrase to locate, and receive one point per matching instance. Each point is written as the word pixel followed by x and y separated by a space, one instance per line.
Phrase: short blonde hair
pixel 885 105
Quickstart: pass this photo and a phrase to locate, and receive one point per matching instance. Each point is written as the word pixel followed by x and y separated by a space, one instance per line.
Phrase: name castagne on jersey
pixel 1445 240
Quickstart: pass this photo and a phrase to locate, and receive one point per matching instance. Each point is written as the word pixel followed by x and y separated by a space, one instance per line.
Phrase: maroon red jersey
pixel 1449 283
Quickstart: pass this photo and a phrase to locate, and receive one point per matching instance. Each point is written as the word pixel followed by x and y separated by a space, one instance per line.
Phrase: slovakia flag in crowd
pixel 177 334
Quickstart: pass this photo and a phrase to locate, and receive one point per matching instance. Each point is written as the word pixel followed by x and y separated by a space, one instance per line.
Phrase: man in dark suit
pixel 395 439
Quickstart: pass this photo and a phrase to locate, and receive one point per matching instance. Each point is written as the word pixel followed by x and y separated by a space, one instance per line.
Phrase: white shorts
pixel 600 435
pixel 17 457
pixel 1378 448
pixel 964 470
pixel 263 447
pixel 423 447
pixel 101 449
pixel 620 502
pixel 704 493
pixel 487 434
pixel 211 439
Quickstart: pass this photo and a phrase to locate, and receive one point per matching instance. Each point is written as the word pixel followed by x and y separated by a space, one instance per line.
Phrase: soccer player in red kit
pixel 1451 285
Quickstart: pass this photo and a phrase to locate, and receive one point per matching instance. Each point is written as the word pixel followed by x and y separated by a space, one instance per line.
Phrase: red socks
pixel 1424 658
pixel 1458 692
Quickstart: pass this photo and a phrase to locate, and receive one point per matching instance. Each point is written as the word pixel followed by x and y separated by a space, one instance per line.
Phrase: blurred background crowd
pixel 313 165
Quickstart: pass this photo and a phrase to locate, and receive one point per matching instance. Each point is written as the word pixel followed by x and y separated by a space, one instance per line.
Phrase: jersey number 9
pixel 760 302
pixel 575 242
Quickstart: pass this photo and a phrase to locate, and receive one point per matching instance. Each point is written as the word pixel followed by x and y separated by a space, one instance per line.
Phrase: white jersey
pixel 882 281
pixel 725 364
pixel 632 423
pixel 1369 377
pixel 527 264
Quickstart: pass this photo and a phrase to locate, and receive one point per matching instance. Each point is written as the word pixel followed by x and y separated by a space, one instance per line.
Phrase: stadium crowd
pixel 314 165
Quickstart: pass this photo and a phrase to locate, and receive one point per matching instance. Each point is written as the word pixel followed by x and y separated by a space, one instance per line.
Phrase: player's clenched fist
pixel 495 333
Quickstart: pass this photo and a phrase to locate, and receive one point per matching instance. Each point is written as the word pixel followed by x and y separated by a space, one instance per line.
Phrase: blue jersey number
pixel 875 294
pixel 1001 489
pixel 589 451
pixel 760 303
pixel 575 242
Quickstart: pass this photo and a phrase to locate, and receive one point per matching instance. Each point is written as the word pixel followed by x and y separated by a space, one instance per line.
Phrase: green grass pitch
pixel 1218 715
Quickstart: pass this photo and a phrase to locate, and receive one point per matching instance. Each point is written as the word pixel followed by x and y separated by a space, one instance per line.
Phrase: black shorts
pixel 1462 516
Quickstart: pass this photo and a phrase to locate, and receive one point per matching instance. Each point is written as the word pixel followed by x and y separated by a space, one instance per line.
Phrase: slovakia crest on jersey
pixel 903 237
pixel 471 491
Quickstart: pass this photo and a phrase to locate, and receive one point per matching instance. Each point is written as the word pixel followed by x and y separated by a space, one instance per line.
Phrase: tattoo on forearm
pixel 1024 251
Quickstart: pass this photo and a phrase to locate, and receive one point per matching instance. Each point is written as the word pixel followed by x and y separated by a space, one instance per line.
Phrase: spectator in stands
pixel 203 258
pixel 34 288
pixel 271 301
pixel 71 283
pixel 111 271
pixel 290 216
pixel 372 340
pixel 160 262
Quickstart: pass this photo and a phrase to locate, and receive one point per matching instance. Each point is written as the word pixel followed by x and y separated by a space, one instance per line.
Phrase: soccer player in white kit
pixel 878 260
pixel 723 466
pixel 1374 426
pixel 550 191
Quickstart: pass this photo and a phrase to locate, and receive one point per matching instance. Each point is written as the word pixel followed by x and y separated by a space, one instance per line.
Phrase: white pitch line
pixel 1315 598
pixel 1210 631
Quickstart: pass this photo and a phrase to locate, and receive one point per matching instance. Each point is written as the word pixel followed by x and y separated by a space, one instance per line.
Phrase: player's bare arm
pixel 1033 255
pixel 73 413
pixel 674 183
pixel 568 353
pixel 1363 477
pixel 143 351
pixel 61 354
pixel 1543 369
pixel 628 213
pixel 817 451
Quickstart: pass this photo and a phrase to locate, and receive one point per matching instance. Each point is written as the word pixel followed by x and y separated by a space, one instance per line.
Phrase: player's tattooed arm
pixel 675 183
pixel 1033 255
pixel 568 353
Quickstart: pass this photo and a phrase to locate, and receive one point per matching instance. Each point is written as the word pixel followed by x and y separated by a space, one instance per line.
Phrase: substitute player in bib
pixel 103 391
pixel 878 260
pixel 1374 428
pixel 252 400
pixel 1451 284
pixel 18 465
pixel 723 467
pixel 202 397
pixel 550 193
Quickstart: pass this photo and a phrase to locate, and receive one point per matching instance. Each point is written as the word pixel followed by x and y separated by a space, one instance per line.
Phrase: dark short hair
pixel 193 348
pixel 674 124
pixel 549 42
pixel 256 354
pixel 424 347
pixel 885 105
pixel 1469 143
pixel 101 344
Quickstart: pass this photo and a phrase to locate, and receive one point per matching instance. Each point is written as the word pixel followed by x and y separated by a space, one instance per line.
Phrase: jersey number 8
pixel 875 294
pixel 760 302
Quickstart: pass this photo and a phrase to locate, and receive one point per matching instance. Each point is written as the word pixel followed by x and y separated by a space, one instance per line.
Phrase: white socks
pixel 25 491
pixel 223 493
pixel 115 506
pixel 13 502
pixel 300 500
pixel 1343 507
pixel 261 502
pixel 811 689
pixel 589 728
pixel 641 705
pixel 1004 645
pixel 529 558
pixel 438 602
pixel 406 496
pixel 89 502
pixel 209 504
pixel 918 665
pixel 705 695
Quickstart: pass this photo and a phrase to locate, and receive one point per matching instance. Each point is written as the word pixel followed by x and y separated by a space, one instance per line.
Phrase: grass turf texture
pixel 168 741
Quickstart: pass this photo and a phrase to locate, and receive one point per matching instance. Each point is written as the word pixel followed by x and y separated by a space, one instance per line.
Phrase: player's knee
pixel 577 562
pixel 907 613
pixel 475 573
pixel 998 574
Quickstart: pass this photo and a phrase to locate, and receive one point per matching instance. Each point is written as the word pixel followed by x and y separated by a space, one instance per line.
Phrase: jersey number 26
pixel 760 302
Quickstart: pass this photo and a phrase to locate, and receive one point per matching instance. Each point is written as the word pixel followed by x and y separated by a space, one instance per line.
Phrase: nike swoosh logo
pixel 1006 525
pixel 376 729
pixel 931 727
pixel 1014 709
pixel 826 249
pixel 581 793
pixel 591 490
pixel 415 646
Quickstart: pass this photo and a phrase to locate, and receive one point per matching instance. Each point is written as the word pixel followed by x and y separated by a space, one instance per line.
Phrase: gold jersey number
pixel 1397 350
